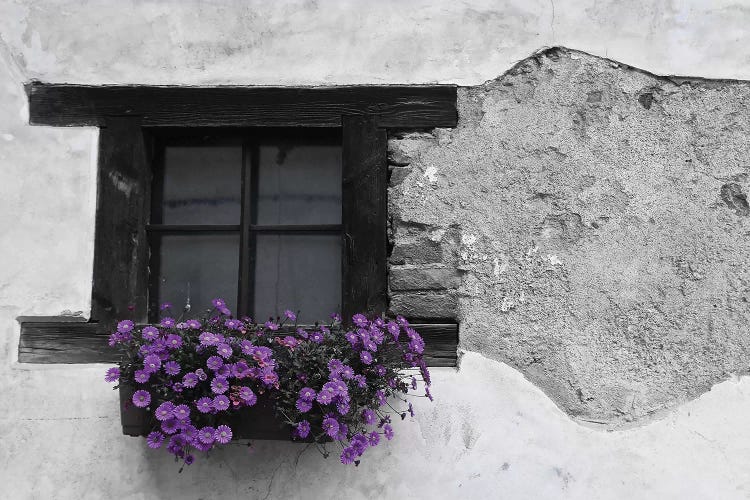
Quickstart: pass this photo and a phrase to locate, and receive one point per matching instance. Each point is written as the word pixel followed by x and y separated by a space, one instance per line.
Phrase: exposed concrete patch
pixel 597 215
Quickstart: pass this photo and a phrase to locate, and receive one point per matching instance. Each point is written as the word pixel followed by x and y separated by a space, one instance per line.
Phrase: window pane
pixel 202 185
pixel 199 268
pixel 299 184
pixel 298 272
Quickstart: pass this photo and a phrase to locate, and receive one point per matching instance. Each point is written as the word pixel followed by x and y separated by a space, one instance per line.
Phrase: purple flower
pixel 290 315
pixel 342 407
pixel 150 333
pixel 218 303
pixel 316 337
pixel 324 397
pixel 207 435
pixel 374 438
pixel 125 326
pixel 181 412
pixel 172 368
pixel 347 373
pixel 307 394
pixel 233 324
pixel 368 416
pixel 348 455
pixel 205 405
pixel 411 410
pixel 302 333
pixel 219 385
pixel 427 393
pixel 380 370
pixel 303 429
pixel 112 375
pixel 413 383
pixel 193 324
pixel 189 459
pixel 169 426
pixel 224 350
pixel 360 443
pixel 402 321
pixel 366 357
pixel 388 432
pixel 177 387
pixel 201 374
pixel 190 380
pixel 141 398
pixel 224 371
pixel 371 346
pixel 271 325
pixel 303 406
pixel 223 434
pixel 343 432
pixel 167 322
pixel 155 439
pixel 331 427
pixel 165 305
pixel 221 402
pixel 381 397
pixel 336 317
pixel 361 381
pixel 174 341
pixel 164 411
pixel 248 396
pixel 335 366
pixel 225 311
pixel 214 363
pixel 393 329
pixel 152 363
pixel 247 347
pixel 207 338
pixel 360 320
pixel 352 338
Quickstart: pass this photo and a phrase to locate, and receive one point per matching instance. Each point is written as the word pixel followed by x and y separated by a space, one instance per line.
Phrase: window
pixel 143 206
pixel 253 216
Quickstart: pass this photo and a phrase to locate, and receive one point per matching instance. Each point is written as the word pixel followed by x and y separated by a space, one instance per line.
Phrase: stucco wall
pixel 535 146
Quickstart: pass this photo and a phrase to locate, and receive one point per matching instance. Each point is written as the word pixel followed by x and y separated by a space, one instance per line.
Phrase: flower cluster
pixel 325 382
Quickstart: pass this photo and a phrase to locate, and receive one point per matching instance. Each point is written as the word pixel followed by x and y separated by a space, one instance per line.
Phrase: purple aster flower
pixel 189 459
pixel 223 434
pixel 152 363
pixel 224 371
pixel 271 325
pixel 393 329
pixel 290 315
pixel 336 317
pixel 366 357
pixel 370 345
pixel 155 439
pixel 221 402
pixel 240 369
pixel 150 333
pixel 207 338
pixel 352 338
pixel 174 341
pixel 303 429
pixel 177 387
pixel 388 432
pixel 207 435
pixel 416 345
pixel 201 374
pixel 348 455
pixel 248 396
pixel 380 370
pixel 343 432
pixel 214 363
pixel 361 381
pixel 360 320
pixel 219 385
pixel 381 397
pixel 343 407
pixel 193 324
pixel 167 322
pixel 368 416
pixel 169 426
pixel 112 375
pixel 331 427
pixel 302 333
pixel 205 405
pixel 141 398
pixel 335 366
pixel 225 311
pixel 324 397
pixel 347 373
pixel 165 305
pixel 218 303
pixel 114 339
pixel 413 383
pixel 316 337
pixel 247 347
pixel 360 443
pixel 233 324
pixel 181 412
pixel 374 438
pixel 307 394
pixel 224 350
pixel 402 321
pixel 164 411
pixel 141 376
pixel 190 380
pixel 172 368
pixel 427 393
pixel 303 406
pixel 125 326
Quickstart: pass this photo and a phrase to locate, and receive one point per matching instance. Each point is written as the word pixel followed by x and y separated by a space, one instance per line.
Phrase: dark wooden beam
pixel 60 340
pixel 410 106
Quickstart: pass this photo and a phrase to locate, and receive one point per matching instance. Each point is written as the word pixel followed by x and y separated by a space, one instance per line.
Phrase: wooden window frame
pixel 125 114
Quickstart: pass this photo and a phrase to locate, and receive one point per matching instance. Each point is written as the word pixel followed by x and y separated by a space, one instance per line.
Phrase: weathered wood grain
pixel 391 106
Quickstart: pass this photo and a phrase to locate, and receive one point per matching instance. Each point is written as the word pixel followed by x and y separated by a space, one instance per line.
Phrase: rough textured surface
pixel 599 218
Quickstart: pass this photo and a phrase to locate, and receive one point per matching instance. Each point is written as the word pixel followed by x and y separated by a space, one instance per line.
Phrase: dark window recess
pixel 279 202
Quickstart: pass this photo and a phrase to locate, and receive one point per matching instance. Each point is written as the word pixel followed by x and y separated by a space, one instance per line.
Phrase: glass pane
pixel 202 185
pixel 198 268
pixel 298 272
pixel 299 184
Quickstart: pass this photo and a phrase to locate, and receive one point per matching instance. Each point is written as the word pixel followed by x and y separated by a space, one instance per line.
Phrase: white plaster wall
pixel 58 425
